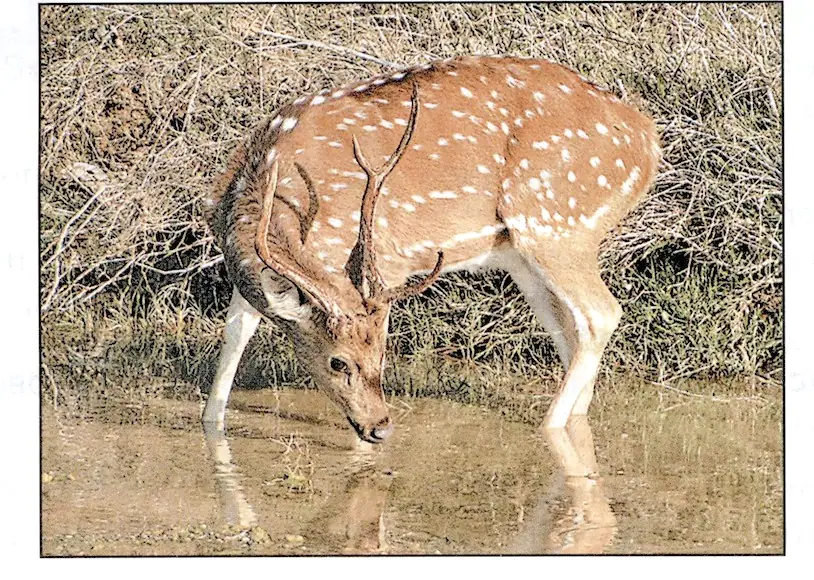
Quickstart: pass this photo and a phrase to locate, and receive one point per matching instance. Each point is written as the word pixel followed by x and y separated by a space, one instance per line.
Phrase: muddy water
pixel 290 478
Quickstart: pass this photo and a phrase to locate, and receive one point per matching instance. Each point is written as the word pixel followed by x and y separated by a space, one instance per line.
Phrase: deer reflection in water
pixel 235 508
pixel 589 525
pixel 353 519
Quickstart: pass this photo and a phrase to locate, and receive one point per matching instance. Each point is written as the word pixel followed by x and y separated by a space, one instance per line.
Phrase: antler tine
pixel 369 272
pixel 407 290
pixel 363 255
pixel 283 264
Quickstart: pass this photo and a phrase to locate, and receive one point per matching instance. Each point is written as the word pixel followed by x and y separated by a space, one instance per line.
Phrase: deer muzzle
pixel 375 432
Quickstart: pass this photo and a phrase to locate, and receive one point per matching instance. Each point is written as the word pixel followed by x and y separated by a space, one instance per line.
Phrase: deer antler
pixel 361 266
pixel 282 263
pixel 306 220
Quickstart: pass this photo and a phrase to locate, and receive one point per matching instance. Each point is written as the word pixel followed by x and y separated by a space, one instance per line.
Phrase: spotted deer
pixel 471 163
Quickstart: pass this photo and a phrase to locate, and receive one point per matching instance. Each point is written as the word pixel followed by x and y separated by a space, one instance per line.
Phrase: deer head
pixel 342 344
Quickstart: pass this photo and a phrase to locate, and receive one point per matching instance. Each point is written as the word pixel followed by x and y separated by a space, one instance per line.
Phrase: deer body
pixel 512 164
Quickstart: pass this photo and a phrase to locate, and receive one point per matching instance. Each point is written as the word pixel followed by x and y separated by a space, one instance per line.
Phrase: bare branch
pixel 332 47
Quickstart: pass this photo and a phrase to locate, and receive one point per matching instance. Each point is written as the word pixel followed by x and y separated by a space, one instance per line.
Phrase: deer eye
pixel 339 365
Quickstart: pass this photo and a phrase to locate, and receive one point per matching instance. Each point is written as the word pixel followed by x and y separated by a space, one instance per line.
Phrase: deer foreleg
pixel 241 322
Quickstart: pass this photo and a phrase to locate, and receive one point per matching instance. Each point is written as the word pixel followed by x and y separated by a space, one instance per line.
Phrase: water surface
pixel 655 476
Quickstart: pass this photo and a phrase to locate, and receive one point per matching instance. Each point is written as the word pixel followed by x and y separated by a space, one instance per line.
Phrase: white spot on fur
pixel 289 124
pixel 590 222
pixel 540 145
pixel 601 129
pixel 443 195
pixel 594 161
pixel 483 169
pixel 485 231
pixel 627 186
pixel 514 83
pixel 467 93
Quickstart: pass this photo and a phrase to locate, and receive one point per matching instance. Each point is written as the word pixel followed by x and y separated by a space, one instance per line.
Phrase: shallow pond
pixel 684 475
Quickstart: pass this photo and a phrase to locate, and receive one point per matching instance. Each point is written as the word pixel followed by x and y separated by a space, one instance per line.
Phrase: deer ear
pixel 290 303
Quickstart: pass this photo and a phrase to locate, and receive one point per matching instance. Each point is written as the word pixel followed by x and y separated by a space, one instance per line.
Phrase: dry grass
pixel 141 106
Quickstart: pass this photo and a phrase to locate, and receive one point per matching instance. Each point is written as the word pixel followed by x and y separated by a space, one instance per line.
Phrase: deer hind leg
pixel 547 308
pixel 581 311
pixel 241 322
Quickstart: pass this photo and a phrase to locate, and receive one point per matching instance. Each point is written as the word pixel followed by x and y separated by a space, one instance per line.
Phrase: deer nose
pixel 382 430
